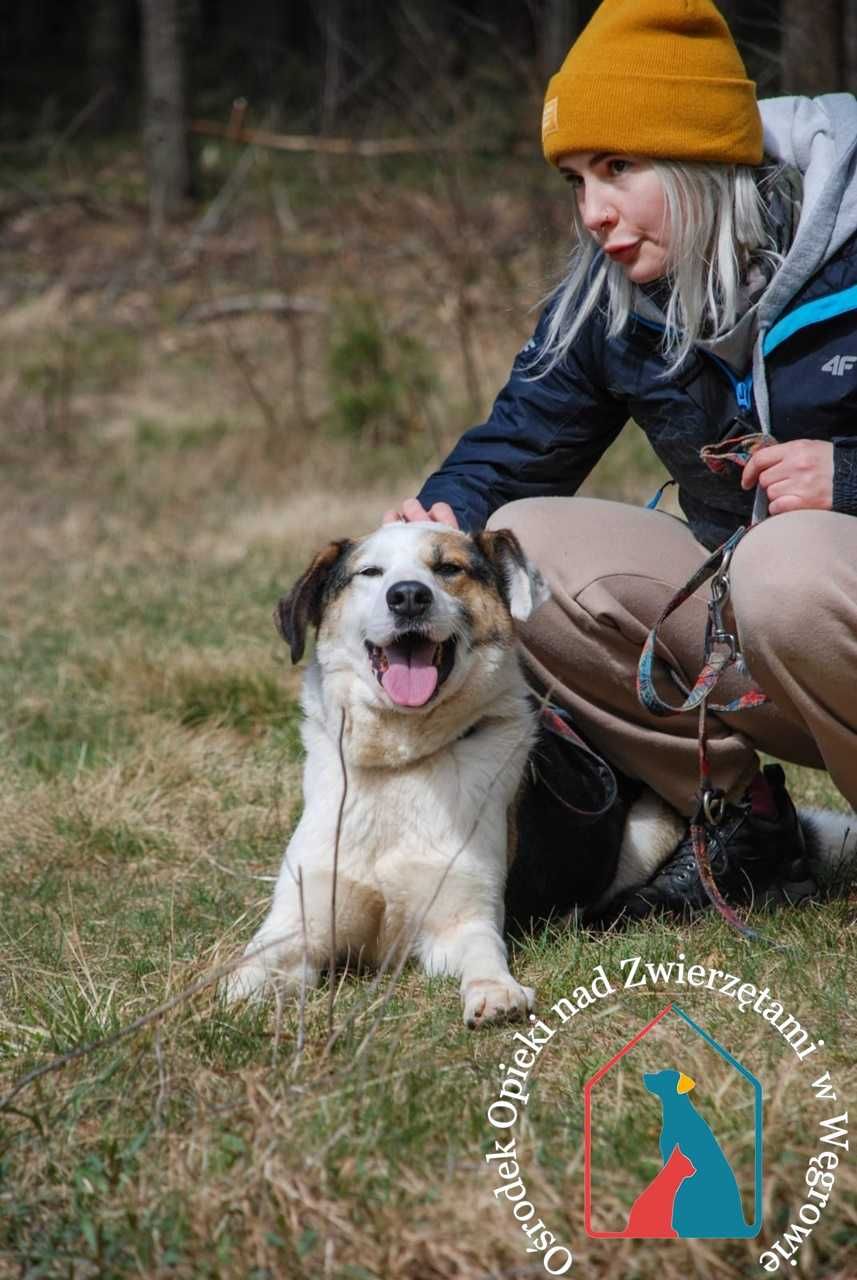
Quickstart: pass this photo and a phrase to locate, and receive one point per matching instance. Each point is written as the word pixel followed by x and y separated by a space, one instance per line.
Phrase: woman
pixel 712 294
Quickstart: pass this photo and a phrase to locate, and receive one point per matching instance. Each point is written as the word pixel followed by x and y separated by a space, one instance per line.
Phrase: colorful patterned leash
pixel 720 652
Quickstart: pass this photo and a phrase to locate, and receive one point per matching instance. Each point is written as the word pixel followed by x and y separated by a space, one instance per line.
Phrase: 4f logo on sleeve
pixel 839 365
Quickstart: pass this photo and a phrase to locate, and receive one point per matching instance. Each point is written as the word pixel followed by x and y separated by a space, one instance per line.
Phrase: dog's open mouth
pixel 412 669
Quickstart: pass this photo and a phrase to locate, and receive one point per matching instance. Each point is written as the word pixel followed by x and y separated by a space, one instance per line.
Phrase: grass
pixel 149 777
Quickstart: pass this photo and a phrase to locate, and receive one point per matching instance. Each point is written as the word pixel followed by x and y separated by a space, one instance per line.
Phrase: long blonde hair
pixel 719 227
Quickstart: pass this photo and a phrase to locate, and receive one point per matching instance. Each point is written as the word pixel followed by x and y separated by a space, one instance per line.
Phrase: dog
pixel 415 706
pixel 418 725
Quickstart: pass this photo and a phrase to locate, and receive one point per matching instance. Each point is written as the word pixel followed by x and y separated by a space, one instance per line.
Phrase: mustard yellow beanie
pixel 659 78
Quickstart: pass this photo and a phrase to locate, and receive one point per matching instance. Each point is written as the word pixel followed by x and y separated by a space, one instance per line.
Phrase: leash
pixel 720 651
pixel 556 721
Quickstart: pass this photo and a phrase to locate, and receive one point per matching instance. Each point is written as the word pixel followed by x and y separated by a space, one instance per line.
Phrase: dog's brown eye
pixel 448 569
pixel 372 572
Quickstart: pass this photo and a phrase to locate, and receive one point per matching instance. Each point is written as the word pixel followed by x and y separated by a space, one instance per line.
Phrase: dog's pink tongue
pixel 411 676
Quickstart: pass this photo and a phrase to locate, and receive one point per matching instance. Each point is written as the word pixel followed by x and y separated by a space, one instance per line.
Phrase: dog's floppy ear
pixel 525 588
pixel 304 603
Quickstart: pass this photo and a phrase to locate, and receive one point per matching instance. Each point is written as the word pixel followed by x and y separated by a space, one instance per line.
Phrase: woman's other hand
pixel 411 510
pixel 796 476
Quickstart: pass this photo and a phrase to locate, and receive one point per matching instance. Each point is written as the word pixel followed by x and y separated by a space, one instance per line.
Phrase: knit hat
pixel 658 78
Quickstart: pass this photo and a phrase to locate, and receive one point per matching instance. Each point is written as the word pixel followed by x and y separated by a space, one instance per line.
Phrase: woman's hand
pixel 796 476
pixel 411 510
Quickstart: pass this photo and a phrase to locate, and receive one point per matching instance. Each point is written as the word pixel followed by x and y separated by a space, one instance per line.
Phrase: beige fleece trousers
pixel 613 568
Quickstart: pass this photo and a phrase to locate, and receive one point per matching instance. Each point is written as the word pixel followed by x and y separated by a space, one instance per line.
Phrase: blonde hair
pixel 719 228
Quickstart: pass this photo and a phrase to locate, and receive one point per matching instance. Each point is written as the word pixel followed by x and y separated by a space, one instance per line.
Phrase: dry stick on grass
pixel 279 1003
pixel 337 838
pixel 301 1036
pixel 83 1050
pixel 160 1101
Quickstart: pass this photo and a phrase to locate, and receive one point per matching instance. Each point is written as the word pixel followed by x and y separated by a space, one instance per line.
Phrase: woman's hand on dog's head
pixel 412 510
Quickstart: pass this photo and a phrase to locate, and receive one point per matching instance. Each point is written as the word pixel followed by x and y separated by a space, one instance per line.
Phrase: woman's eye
pixel 619 166
pixel 573 179
pixel 371 572
pixel 448 570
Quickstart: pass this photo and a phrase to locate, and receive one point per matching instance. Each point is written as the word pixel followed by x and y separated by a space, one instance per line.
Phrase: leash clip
pixel 715 631
pixel 713 806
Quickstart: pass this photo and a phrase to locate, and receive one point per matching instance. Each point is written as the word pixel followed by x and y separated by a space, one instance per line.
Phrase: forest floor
pixel 163 478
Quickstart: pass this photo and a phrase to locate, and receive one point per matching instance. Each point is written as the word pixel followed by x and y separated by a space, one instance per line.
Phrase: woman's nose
pixel 597 212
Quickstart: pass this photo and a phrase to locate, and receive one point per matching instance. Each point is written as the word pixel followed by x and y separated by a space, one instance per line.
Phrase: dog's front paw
pixel 496 1000
pixel 247 982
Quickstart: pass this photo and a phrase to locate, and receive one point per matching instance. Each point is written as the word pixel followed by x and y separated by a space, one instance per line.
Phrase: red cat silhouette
pixel 652 1212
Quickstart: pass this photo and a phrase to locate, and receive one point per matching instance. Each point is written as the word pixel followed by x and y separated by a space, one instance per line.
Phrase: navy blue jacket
pixel 545 434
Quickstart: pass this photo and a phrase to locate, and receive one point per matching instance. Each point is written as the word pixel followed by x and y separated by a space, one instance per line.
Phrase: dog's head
pixel 408 607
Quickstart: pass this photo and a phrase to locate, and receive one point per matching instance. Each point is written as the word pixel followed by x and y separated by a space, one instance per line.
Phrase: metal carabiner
pixel 715 632
pixel 713 806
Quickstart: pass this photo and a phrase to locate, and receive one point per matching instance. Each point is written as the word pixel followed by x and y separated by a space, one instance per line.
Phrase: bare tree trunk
pixel 164 131
pixel 106 62
pixel 332 83
pixel 813 38
pixel 849 48
pixel 559 24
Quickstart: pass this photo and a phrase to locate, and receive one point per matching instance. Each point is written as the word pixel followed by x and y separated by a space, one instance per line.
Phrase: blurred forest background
pixel 350 67
pixel 338 211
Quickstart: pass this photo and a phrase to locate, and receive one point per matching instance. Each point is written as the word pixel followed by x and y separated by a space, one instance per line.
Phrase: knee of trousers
pixel 792 578
pixel 575 544
pixel 547 527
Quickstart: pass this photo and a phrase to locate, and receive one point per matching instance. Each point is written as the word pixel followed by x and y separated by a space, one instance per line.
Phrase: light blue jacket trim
pixel 836 304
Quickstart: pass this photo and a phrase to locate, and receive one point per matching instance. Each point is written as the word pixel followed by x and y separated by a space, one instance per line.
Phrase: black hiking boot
pixel 757 854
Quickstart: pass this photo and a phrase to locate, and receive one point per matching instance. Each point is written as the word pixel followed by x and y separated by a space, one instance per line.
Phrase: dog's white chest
pixel 432 810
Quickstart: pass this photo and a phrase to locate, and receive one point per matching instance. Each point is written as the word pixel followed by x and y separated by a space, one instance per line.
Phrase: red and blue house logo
pixel 687 1173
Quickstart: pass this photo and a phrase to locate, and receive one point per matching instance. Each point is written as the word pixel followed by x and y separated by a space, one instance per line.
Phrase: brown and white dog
pixel 416 669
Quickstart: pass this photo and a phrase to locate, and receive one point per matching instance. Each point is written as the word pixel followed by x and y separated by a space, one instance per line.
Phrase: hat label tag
pixel 550 117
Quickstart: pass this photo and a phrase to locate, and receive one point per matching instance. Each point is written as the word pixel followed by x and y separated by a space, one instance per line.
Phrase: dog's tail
pixel 831 846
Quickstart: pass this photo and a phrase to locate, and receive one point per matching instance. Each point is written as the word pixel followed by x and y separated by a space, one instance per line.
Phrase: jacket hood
pixel 818 136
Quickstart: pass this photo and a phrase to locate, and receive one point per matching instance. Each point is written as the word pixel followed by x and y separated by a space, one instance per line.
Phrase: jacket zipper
pixel 743 387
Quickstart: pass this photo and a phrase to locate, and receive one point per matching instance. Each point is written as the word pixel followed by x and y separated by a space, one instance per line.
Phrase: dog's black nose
pixel 409 599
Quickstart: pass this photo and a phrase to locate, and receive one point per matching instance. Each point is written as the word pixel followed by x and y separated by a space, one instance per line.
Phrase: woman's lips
pixel 621 252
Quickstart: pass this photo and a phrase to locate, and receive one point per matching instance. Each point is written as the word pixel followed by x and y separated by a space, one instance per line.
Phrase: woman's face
pixel 622 203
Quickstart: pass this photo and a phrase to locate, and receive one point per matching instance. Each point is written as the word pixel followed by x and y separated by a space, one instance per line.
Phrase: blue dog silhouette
pixel 707 1205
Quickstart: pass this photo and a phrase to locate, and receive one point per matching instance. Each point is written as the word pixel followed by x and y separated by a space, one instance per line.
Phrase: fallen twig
pixel 246 303
pixel 347 146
